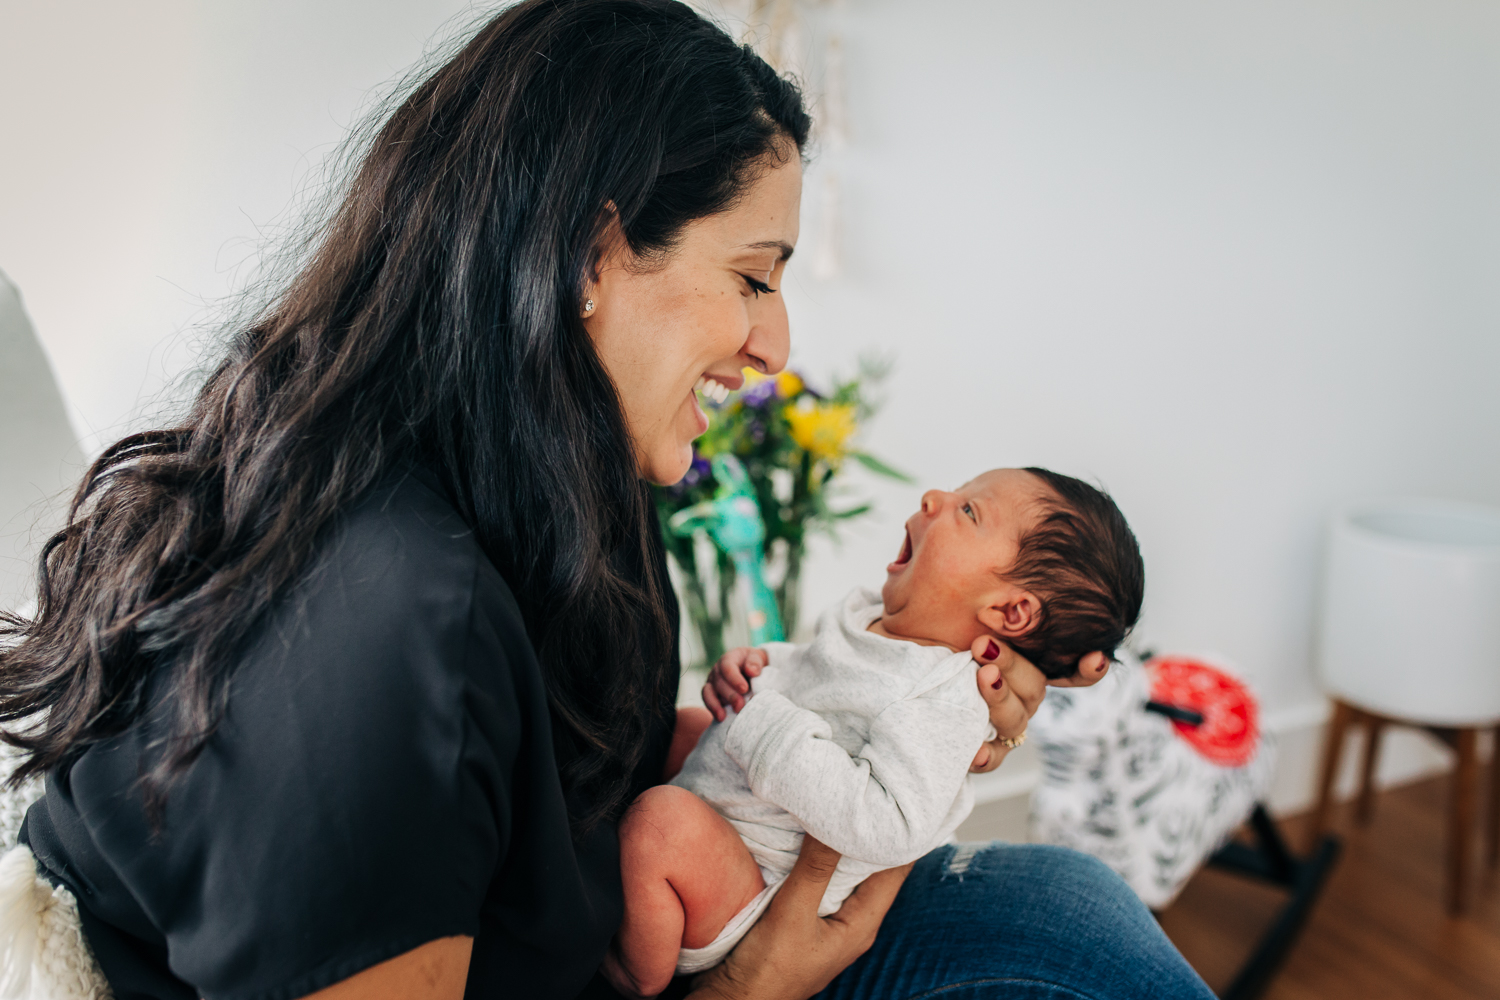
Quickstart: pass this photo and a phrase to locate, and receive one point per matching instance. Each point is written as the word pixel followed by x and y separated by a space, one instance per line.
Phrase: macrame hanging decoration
pixel 775 29
pixel 834 133
pixel 786 33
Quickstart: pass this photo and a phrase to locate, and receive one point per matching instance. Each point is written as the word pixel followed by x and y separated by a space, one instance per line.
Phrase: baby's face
pixel 948 571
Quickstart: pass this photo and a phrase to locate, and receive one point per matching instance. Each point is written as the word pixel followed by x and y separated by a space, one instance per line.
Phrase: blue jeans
pixel 1017 922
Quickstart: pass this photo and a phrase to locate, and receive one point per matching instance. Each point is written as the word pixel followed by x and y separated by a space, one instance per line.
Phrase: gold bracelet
pixel 1011 742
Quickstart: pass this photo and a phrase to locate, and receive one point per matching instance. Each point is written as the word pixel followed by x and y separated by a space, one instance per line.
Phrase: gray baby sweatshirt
pixel 861 740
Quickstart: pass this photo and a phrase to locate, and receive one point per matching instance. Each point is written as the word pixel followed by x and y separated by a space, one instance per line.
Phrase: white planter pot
pixel 1411 611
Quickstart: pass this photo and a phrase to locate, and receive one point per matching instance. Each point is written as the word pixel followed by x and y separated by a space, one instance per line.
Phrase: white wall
pixel 148 149
pixel 1237 260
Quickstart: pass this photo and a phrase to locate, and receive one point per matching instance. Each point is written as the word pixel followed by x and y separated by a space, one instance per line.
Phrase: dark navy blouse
pixel 385 776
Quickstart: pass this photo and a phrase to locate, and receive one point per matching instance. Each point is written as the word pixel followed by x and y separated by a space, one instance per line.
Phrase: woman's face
pixel 703 314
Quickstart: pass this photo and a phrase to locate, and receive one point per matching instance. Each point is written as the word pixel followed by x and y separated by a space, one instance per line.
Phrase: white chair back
pixel 39 456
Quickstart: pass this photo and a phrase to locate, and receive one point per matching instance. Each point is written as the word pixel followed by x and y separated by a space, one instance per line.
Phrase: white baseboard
pixel 1002 797
pixel 1406 755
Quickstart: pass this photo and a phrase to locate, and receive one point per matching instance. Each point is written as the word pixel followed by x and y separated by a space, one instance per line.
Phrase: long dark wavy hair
pixel 437 321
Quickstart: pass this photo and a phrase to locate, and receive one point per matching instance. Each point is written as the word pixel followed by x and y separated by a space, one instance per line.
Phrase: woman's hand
pixel 729 681
pixel 1013 688
pixel 792 953
pixel 436 970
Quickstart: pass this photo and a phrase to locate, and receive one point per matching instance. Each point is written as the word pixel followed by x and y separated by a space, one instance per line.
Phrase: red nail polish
pixel 992 650
pixel 999 683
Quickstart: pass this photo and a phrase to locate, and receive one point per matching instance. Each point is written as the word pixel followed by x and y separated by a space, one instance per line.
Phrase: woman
pixel 347 680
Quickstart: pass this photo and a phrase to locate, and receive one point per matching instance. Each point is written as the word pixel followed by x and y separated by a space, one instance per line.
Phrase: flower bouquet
pixel 792 442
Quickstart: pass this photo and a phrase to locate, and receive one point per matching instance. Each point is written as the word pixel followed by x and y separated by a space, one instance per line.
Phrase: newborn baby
pixel 864 736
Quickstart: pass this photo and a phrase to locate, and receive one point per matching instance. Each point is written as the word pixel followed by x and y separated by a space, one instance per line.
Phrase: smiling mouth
pixel 712 389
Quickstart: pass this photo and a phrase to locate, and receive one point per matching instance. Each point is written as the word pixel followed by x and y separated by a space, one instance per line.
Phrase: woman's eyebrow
pixel 782 247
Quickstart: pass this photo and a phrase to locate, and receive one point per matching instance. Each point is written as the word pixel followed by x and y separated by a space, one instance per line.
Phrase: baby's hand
pixel 729 680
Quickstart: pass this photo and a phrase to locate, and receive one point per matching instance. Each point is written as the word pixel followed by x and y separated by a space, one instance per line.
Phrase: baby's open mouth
pixel 905 556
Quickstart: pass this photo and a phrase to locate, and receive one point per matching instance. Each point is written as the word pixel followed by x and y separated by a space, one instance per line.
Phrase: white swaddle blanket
pixel 863 741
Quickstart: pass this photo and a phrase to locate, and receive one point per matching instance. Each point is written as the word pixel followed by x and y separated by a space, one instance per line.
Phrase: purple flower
pixel 754 427
pixel 759 394
pixel 697 472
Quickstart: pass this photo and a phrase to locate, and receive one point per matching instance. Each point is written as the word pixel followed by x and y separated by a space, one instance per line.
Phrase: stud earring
pixel 588 306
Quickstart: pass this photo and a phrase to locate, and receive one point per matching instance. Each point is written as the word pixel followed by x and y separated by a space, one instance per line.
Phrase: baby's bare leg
pixel 686 872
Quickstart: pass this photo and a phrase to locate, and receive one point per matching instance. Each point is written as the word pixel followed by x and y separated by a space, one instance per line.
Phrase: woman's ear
pixel 1013 616
pixel 611 252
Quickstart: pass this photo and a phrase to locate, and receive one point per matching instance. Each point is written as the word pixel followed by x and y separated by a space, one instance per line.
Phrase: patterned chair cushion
pixel 1119 783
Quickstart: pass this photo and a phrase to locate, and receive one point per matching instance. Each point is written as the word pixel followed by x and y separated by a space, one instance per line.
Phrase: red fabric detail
pixel 1231 718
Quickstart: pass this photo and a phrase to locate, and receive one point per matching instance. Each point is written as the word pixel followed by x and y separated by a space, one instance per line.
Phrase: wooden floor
pixel 1378 932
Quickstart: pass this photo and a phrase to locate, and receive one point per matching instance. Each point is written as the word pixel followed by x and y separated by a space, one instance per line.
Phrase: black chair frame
pixel 1270 860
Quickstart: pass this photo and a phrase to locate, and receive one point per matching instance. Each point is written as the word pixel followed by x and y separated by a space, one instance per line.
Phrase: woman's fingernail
pixel 992 650
pixel 999 682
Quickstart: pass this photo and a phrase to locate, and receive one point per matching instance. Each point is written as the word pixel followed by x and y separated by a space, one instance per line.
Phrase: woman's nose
pixel 770 340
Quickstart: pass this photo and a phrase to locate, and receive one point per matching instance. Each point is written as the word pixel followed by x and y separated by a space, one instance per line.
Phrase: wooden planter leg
pixel 1374 730
pixel 1461 817
pixel 1494 823
pixel 1333 749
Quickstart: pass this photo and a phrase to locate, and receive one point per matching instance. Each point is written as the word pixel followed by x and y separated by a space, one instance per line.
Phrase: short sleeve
pixel 355 801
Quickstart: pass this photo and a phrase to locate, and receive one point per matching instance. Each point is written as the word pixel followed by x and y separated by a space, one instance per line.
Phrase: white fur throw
pixel 43 955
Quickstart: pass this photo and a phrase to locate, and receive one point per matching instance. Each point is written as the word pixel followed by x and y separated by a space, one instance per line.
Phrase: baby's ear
pixel 1013 616
pixel 1091 670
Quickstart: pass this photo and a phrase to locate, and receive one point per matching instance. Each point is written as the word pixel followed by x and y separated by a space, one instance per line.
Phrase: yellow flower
pixel 823 429
pixel 752 377
pixel 788 384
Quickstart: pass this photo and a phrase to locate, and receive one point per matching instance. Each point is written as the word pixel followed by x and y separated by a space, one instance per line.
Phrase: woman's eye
pixel 757 286
pixel 969 510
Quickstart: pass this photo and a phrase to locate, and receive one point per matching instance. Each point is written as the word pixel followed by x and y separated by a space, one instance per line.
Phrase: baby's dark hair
pixel 1082 562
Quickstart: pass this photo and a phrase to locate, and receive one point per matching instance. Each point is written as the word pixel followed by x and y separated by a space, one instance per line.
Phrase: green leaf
pixel 878 467
pixel 863 508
